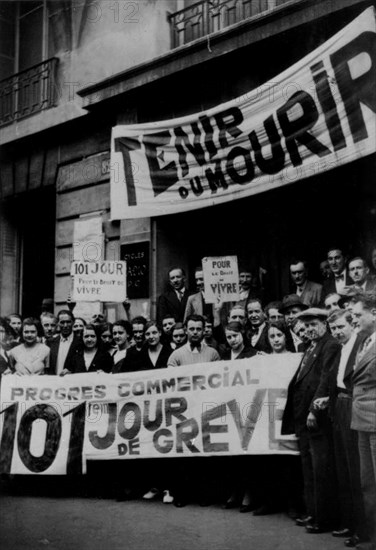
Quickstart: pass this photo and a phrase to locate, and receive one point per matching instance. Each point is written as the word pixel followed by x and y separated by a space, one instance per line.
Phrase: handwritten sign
pixel 99 281
pixel 137 257
pixel 221 279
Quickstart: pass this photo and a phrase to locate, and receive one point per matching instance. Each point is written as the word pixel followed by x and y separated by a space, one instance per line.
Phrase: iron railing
pixel 28 91
pixel 208 16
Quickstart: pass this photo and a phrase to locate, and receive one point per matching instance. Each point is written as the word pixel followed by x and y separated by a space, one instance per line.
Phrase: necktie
pixel 307 355
pixel 340 278
pixel 365 347
pixel 197 346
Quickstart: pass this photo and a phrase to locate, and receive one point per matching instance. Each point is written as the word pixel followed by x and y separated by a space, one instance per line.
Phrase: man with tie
pixel 336 391
pixel 340 278
pixel 256 328
pixel 364 407
pixel 312 427
pixel 64 347
pixel 359 273
pixel 173 302
pixel 308 291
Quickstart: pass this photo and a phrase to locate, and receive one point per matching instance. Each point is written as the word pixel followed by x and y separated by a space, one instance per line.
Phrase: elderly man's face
pixel 358 271
pixel 176 279
pixel 255 314
pixel 316 328
pixel 298 273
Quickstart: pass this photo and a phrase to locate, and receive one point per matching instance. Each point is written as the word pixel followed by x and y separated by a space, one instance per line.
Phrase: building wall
pixel 98 39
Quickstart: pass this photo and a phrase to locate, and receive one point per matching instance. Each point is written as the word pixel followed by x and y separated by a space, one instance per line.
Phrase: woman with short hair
pixel 30 357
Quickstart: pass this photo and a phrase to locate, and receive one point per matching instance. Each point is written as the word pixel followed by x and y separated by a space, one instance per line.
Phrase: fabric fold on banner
pixel 317 115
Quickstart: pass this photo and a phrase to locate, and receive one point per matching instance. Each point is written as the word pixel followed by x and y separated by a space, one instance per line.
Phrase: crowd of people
pixel 331 401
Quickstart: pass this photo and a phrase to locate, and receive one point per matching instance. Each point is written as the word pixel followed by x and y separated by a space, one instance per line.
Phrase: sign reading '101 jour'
pixel 102 281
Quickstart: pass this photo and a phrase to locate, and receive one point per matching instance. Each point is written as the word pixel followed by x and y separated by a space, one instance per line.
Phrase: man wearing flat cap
pixel 291 307
pixel 313 427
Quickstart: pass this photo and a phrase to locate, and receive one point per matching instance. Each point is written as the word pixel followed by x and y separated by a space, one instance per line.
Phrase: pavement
pixel 71 522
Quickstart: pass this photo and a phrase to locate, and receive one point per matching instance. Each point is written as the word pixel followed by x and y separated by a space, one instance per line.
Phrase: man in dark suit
pixel 359 273
pixel 256 327
pixel 173 302
pixel 340 277
pixel 308 291
pixel 336 390
pixel 364 407
pixel 65 346
pixel 312 427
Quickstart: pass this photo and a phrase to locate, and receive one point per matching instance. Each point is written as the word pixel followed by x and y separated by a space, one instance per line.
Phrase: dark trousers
pixel 317 456
pixel 367 453
pixel 348 468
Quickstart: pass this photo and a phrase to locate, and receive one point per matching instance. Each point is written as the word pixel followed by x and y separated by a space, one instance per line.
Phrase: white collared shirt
pixel 64 346
pixel 300 289
pixel 345 354
pixel 255 338
pixel 340 284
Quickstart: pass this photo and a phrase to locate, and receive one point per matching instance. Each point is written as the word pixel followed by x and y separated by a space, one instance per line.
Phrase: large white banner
pixel 315 116
pixel 52 425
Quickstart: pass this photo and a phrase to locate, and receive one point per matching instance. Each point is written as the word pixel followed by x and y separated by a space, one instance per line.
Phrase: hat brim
pixel 303 307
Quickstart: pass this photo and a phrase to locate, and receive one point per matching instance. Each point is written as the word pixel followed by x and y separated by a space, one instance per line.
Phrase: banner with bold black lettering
pixel 315 116
pixel 52 425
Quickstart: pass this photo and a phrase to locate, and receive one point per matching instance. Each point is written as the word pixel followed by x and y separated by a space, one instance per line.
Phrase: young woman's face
pixel 277 340
pixel 120 335
pixel 29 334
pixel 89 338
pixel 152 336
pixel 234 339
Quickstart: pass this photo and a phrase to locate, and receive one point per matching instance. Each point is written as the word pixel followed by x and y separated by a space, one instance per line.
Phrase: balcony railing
pixel 28 91
pixel 208 16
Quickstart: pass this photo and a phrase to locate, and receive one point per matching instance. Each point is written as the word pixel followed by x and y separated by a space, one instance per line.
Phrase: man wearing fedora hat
pixel 313 427
pixel 291 307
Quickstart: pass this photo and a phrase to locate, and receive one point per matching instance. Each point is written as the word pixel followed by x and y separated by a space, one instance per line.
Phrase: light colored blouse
pixel 28 360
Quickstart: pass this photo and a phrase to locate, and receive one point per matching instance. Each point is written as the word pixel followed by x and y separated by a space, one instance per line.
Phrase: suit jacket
pixel 195 305
pixel 328 385
pixel 102 361
pixel 364 392
pixel 304 385
pixel 169 304
pixel 245 354
pixel 262 343
pixel 4 363
pixel 54 347
pixel 329 285
pixel 370 284
pixel 311 295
